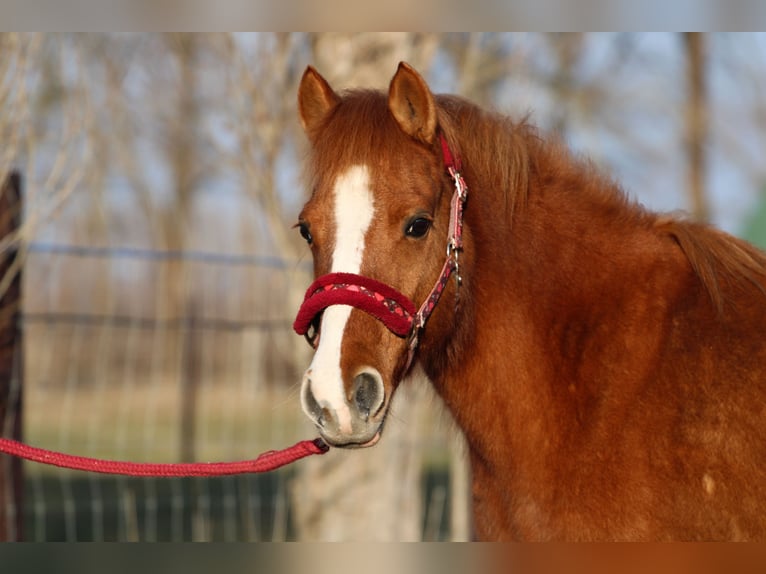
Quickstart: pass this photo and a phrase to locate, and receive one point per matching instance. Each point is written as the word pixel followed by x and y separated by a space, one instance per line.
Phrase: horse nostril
pixel 368 393
pixel 311 406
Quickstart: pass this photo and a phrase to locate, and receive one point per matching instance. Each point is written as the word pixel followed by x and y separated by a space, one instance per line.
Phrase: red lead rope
pixel 266 462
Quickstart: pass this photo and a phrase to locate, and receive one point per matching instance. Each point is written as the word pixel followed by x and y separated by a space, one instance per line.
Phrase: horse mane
pixel 491 136
pixel 717 258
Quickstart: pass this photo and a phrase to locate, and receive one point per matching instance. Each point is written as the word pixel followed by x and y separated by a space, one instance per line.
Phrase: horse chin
pixel 336 443
pixel 372 442
pixel 357 443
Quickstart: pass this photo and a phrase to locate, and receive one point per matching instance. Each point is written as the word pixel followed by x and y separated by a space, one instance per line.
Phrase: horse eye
pixel 305 233
pixel 418 227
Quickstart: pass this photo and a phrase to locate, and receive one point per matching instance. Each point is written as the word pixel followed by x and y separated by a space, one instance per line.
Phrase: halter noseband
pixel 394 309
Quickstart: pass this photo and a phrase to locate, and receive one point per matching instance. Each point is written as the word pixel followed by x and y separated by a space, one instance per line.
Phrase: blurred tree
pixel 181 139
pixel 697 114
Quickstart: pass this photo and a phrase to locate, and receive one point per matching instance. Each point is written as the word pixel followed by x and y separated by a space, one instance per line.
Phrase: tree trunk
pixel 370 494
pixel 696 123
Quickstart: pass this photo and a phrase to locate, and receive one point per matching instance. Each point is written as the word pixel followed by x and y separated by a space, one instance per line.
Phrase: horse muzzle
pixel 354 423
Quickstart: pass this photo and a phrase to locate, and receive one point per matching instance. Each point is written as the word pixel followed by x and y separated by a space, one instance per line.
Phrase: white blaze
pixel 353 213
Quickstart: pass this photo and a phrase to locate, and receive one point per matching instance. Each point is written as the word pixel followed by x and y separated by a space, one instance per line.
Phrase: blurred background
pixel 149 273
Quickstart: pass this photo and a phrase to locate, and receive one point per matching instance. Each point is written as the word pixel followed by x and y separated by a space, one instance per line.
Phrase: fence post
pixel 11 360
pixel 190 382
pixel 191 379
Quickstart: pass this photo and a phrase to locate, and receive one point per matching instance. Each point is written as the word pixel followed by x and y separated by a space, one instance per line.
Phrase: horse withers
pixel 606 364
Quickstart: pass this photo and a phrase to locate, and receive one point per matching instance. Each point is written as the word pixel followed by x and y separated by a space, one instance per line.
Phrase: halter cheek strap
pixel 395 310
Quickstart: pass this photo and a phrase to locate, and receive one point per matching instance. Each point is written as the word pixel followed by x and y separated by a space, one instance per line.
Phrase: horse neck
pixel 525 257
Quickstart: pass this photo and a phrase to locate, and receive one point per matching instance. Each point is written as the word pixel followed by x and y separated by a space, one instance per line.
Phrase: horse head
pixel 377 223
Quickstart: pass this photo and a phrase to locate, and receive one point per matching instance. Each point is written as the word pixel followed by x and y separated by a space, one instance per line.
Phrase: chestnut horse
pixel 606 364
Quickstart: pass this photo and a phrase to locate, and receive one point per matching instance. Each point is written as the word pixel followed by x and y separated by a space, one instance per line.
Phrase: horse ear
pixel 316 99
pixel 412 104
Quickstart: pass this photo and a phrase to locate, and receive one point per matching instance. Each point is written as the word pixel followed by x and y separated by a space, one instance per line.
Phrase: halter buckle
pixel 460 186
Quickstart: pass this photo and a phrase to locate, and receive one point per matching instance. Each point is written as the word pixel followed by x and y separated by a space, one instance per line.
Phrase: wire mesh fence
pixel 113 373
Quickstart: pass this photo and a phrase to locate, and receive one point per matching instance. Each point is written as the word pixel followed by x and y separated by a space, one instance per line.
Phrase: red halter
pixel 392 308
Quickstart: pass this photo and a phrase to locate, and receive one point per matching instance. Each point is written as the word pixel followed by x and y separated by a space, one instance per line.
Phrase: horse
pixel 606 364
